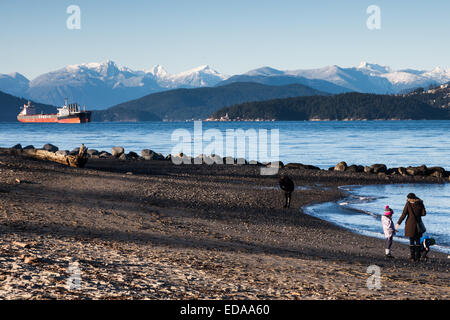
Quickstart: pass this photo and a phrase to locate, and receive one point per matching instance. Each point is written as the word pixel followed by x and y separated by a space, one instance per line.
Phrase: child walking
pixel 388 228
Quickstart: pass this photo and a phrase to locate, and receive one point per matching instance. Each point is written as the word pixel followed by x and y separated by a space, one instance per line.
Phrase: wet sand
pixel 153 230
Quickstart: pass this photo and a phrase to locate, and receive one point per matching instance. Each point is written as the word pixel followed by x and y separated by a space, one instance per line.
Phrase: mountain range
pixel 101 85
pixel 197 103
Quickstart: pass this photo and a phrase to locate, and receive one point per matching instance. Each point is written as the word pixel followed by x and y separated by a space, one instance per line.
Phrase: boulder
pixel 93 152
pixel 368 169
pixel 50 147
pixel 241 161
pixel 214 159
pixel 402 171
pixel 117 151
pixel 181 158
pixel 392 171
pixel 148 154
pixel 200 159
pixel 28 147
pixel 437 172
pixel 229 160
pixel 132 155
pixel 17 146
pixel 301 166
pixel 124 156
pixel 379 168
pixel 275 164
pixel 105 154
pixel 417 171
pixel 254 163
pixel 341 166
pixel 355 168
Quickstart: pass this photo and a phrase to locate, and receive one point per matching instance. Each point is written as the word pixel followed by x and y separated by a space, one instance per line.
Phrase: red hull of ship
pixel 53 119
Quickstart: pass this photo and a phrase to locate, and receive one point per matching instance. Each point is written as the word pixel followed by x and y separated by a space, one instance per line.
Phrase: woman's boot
pixel 418 253
pixel 412 250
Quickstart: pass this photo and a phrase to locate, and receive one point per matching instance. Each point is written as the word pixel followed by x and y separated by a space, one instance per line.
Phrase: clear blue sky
pixel 231 36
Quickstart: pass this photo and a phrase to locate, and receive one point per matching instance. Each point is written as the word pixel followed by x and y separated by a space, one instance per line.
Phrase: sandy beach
pixel 153 230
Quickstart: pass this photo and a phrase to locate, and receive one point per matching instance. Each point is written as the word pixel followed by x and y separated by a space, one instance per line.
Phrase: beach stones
pixel 117 151
pixel 50 147
pixel 341 166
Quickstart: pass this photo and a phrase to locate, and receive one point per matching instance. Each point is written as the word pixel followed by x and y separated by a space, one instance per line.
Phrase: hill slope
pixel 10 106
pixel 348 106
pixel 199 103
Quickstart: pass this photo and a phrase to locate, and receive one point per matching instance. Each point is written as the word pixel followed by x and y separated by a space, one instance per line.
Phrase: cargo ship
pixel 68 113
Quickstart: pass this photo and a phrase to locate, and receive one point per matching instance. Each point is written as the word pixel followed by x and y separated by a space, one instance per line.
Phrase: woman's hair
pixel 411 196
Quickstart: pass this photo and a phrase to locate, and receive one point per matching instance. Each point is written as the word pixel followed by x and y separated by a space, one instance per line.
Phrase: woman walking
pixel 413 212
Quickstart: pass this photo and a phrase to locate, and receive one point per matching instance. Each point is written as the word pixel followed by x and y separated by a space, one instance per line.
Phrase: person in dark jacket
pixel 287 185
pixel 413 212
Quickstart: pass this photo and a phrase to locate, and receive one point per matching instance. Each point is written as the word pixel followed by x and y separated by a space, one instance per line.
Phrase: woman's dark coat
pixel 414 211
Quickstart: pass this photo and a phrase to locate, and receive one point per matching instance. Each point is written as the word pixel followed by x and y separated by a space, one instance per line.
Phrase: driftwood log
pixel 77 161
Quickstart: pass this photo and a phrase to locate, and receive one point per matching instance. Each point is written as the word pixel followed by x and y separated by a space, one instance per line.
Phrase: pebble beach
pixel 149 229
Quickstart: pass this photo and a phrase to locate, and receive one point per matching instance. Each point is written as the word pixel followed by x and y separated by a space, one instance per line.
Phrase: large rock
pixel 181 158
pixel 105 155
pixel 437 172
pixel 17 146
pixel 301 166
pixel 402 171
pixel 50 147
pixel 417 171
pixel 379 168
pixel 28 147
pixel 368 169
pixel 341 166
pixel 214 159
pixel 117 151
pixel 148 154
pixel 275 164
pixel 355 168
pixel 93 152
pixel 132 155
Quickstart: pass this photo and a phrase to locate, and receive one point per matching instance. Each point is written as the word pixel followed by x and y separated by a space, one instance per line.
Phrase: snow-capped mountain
pixel 14 83
pixel 374 78
pixel 100 85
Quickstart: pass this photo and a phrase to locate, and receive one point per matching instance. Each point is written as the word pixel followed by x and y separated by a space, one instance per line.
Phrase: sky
pixel 231 36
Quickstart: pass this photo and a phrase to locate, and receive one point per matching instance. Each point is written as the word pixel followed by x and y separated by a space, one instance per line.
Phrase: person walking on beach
pixel 388 229
pixel 414 211
pixel 287 185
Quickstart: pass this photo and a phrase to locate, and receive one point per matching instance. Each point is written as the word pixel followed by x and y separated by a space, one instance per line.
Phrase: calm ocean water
pixel 394 143
pixel 362 210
